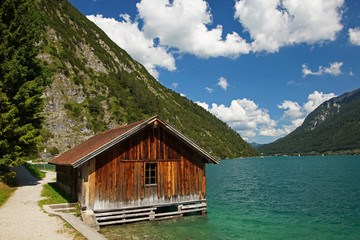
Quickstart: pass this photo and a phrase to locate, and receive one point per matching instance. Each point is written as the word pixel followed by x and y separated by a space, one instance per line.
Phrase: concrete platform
pixel 76 223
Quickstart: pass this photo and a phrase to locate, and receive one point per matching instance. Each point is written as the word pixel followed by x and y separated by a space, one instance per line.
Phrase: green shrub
pixel 7 176
pixel 74 109
pixel 53 151
pixel 46 134
pixel 78 80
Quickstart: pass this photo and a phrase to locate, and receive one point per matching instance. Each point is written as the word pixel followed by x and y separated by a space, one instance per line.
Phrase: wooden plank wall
pixel 116 177
pixel 64 179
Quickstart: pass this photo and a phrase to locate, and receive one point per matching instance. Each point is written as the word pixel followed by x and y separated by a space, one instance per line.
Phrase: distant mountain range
pixel 332 128
pixel 95 86
pixel 256 145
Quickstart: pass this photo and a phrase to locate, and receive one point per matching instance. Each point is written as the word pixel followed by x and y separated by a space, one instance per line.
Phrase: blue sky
pixel 259 65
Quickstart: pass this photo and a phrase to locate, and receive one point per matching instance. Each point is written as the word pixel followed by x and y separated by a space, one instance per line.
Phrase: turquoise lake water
pixel 268 198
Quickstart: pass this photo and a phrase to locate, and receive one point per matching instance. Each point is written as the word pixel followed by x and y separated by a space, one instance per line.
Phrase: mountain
pixel 255 145
pixel 332 128
pixel 96 85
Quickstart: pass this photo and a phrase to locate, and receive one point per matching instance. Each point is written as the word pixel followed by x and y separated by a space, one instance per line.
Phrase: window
pixel 150 173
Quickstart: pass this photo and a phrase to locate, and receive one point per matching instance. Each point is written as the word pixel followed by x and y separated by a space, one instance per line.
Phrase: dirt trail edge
pixel 22 218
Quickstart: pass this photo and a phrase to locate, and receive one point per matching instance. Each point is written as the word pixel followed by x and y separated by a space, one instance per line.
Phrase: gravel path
pixel 22 218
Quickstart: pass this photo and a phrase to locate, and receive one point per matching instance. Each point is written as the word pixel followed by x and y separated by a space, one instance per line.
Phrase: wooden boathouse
pixel 142 171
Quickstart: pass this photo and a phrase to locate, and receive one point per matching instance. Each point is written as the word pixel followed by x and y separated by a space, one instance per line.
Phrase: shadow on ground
pixel 24 178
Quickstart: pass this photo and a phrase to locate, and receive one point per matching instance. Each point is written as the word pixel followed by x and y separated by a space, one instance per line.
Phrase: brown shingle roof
pixel 92 144
pixel 102 141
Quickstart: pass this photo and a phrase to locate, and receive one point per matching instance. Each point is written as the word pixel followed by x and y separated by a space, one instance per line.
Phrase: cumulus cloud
pixel 223 83
pixel 203 105
pixel 354 36
pixel 315 99
pixel 296 113
pixel 294 109
pixel 249 120
pixel 334 69
pixel 276 23
pixel 271 131
pixel 209 90
pixel 127 35
pixel 247 134
pixel 241 115
pixel 291 127
pixel 183 24
pixel 306 71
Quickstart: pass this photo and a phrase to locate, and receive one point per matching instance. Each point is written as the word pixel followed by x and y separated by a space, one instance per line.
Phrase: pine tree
pixel 22 81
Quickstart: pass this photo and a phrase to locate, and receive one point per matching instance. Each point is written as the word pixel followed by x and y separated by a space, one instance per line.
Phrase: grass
pixel 67 228
pixel 53 195
pixel 5 192
pixel 34 171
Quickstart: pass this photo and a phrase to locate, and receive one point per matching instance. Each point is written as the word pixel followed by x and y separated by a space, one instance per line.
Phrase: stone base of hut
pixel 149 213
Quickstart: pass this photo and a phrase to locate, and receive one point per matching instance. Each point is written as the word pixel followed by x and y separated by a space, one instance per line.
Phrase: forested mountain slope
pixel 333 127
pixel 96 85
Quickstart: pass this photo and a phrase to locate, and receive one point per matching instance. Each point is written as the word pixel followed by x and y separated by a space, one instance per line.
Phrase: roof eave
pixel 110 144
pixel 191 143
pixel 135 130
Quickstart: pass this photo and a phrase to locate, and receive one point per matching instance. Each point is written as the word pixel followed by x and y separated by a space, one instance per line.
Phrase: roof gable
pixel 99 143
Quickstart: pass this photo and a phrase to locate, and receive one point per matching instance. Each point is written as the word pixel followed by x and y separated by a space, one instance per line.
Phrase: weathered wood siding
pixel 66 180
pixel 116 178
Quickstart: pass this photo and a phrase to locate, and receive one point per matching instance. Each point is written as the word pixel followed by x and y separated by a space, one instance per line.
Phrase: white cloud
pixel 271 131
pixel 183 95
pixel 127 35
pixel 354 36
pixel 209 90
pixel 296 113
pixel 306 71
pixel 246 134
pixel 175 84
pixel 351 74
pixel 294 124
pixel 315 99
pixel 223 83
pixel 334 69
pixel 242 114
pixel 183 24
pixel 292 82
pixel 294 109
pixel 203 105
pixel 276 23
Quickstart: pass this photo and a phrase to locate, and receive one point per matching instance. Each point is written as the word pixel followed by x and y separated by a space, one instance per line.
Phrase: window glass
pixel 150 173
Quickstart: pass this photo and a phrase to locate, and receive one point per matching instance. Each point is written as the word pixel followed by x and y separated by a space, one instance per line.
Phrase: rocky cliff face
pixel 97 86
pixel 68 131
pixel 329 109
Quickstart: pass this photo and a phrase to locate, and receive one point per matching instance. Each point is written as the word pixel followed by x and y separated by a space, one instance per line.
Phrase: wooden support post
pixel 180 209
pixel 152 216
